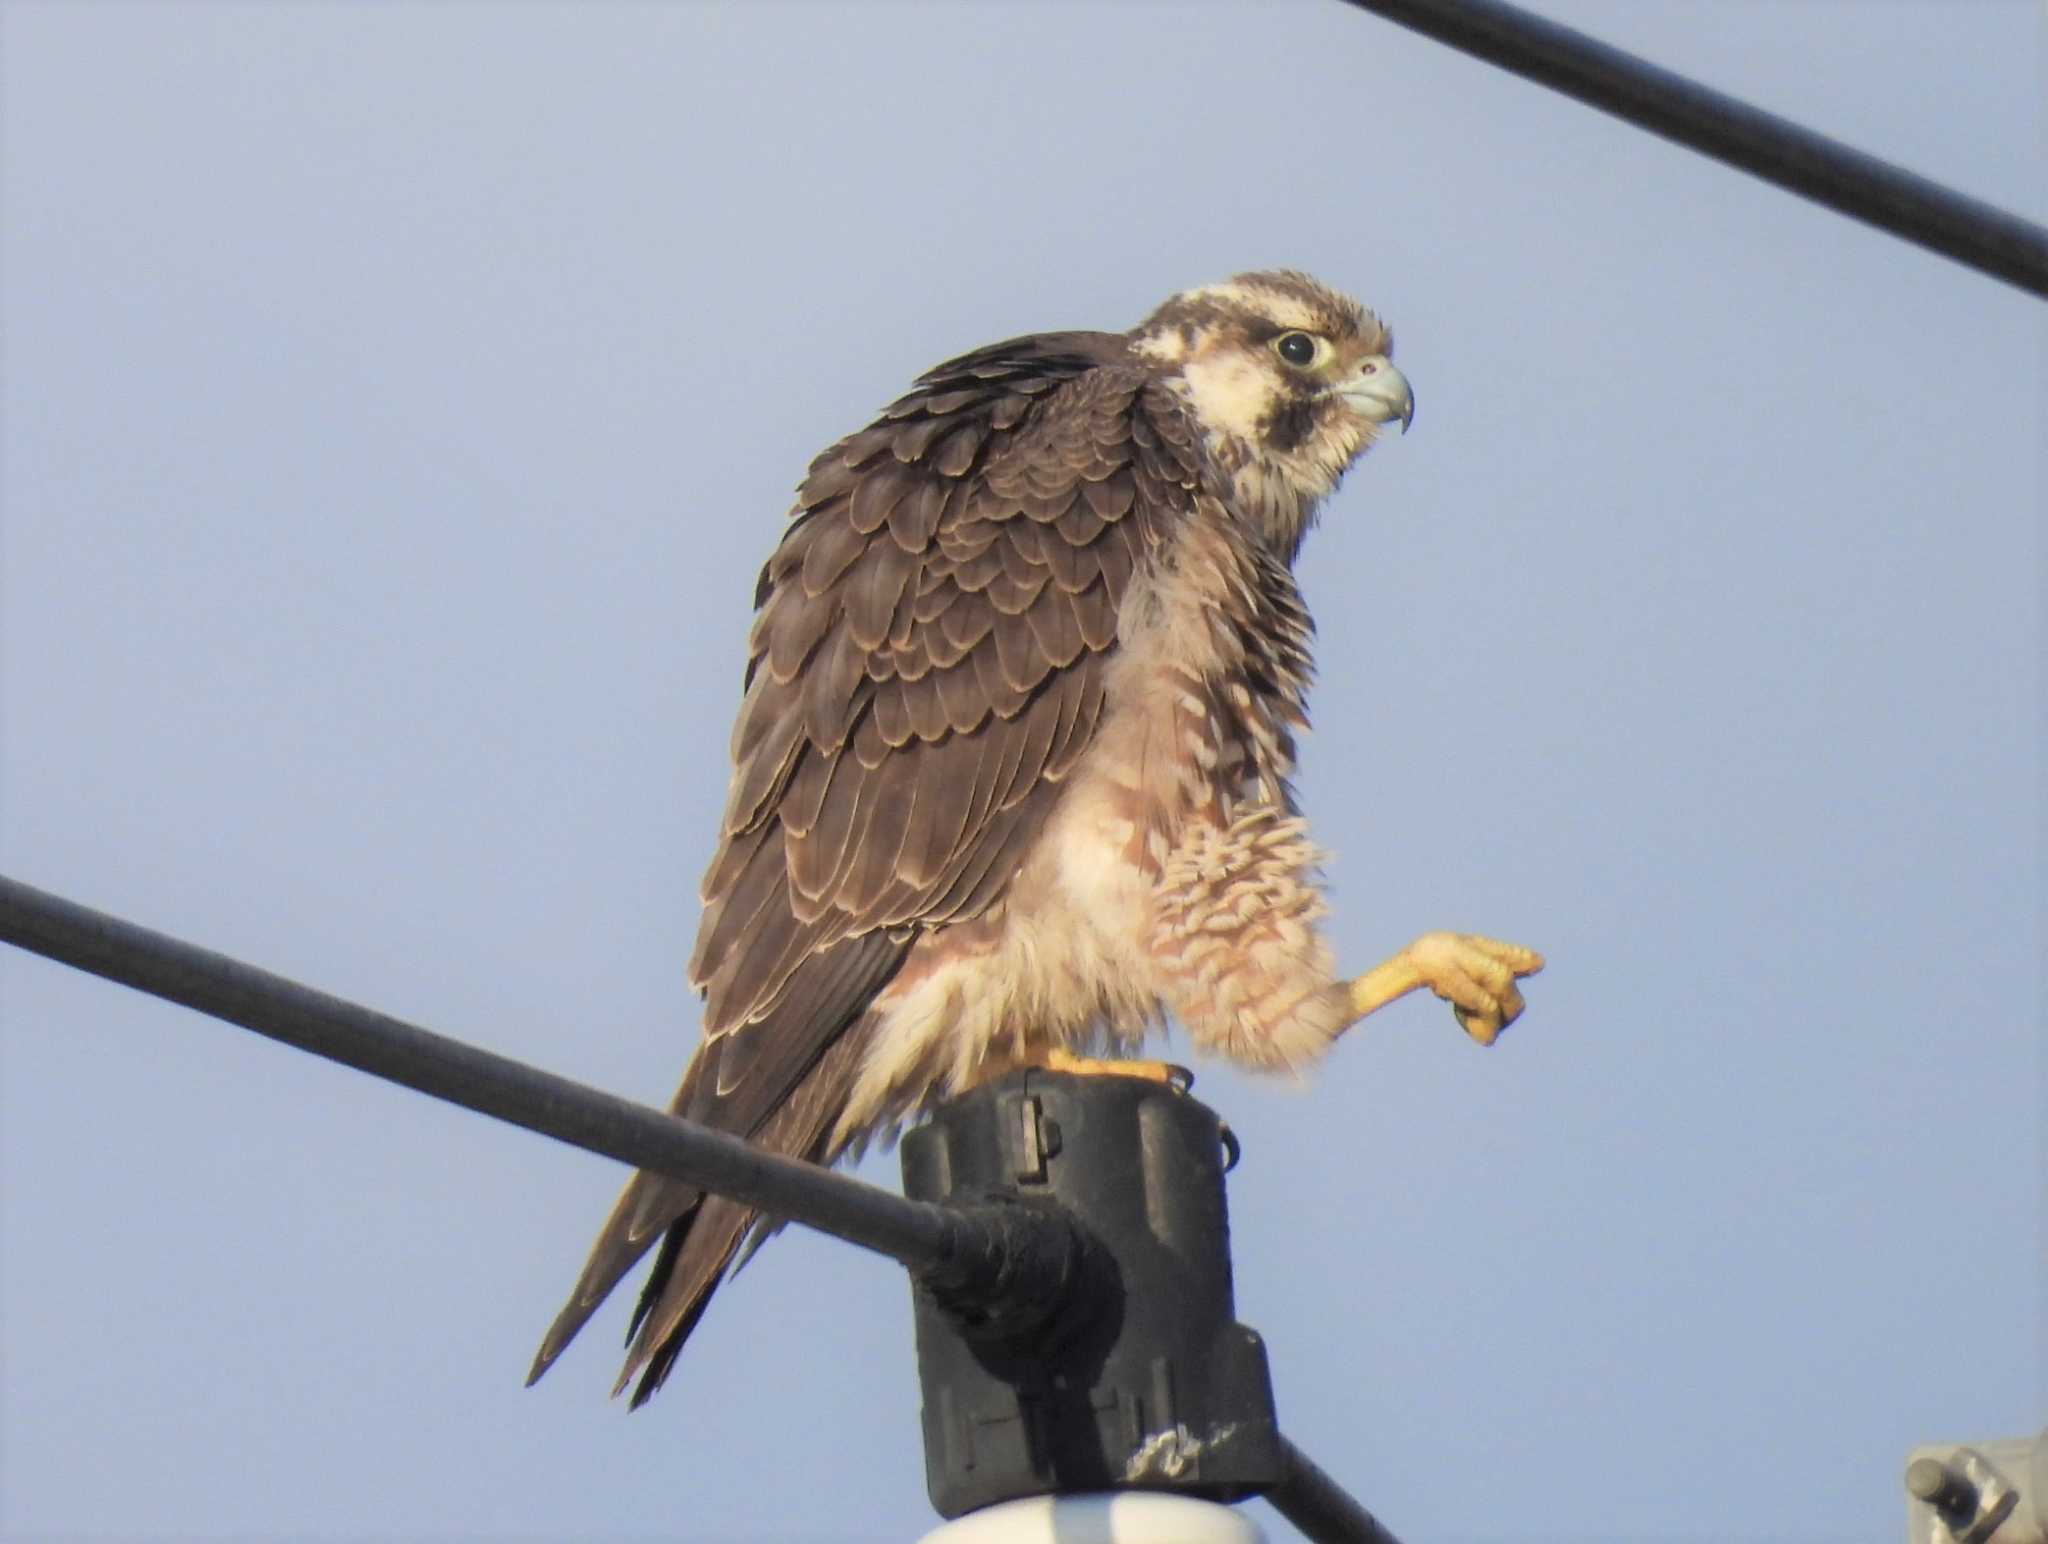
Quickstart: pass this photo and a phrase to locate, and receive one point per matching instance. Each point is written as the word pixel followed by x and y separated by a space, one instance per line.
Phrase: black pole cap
pixel 1133 1373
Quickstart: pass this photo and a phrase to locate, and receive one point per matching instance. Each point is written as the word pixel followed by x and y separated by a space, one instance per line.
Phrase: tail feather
pixel 701 1244
pixel 691 1264
pixel 699 1233
pixel 650 1205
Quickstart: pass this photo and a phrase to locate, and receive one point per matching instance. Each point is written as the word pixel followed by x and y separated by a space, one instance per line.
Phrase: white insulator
pixel 1118 1517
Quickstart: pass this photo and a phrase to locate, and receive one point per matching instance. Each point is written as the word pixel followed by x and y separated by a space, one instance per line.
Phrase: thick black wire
pixel 924 1237
pixel 988 1253
pixel 1825 170
pixel 1319 1506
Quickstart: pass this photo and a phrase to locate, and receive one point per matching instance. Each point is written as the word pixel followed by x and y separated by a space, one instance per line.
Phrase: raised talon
pixel 1475 975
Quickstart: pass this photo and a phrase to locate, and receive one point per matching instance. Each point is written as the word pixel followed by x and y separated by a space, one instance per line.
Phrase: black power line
pixel 1319 1506
pixel 1825 170
pixel 966 1250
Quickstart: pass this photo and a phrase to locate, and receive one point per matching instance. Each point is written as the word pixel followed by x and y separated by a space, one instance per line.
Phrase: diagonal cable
pixel 924 1237
pixel 1826 171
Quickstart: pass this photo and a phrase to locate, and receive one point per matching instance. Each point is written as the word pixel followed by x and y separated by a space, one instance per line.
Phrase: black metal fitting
pixel 1123 1365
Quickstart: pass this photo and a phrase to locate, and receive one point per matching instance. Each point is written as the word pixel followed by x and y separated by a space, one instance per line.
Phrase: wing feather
pixel 992 685
pixel 786 630
pixel 892 714
pixel 870 591
pixel 830 686
pixel 1095 613
pixel 927 710
pixel 1080 710
pixel 1056 630
pixel 1024 663
pixel 830 548
pixel 765 751
pixel 960 694
pixel 965 626
pixel 945 799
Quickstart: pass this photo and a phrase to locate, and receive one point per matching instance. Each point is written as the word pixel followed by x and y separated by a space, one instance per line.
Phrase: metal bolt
pixel 1949 1493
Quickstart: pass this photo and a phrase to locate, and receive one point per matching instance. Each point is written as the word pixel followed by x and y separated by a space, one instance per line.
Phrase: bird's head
pixel 1289 380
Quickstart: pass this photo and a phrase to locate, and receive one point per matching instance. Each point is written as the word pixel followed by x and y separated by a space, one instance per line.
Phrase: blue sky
pixel 395 405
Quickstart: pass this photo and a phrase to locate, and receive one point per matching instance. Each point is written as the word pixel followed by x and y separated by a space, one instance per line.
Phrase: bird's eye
pixel 1297 348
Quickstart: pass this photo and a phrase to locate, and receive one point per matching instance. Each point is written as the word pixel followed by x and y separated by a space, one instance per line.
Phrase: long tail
pixel 699 1233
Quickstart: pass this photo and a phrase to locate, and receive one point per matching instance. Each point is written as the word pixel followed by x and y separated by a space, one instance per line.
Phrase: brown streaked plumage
pixel 1010 774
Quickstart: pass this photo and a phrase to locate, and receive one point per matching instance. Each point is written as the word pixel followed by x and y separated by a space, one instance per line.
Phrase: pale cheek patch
pixel 1229 392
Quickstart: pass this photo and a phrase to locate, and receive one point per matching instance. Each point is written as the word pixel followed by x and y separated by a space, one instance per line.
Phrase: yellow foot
pixel 1178 1078
pixel 1475 975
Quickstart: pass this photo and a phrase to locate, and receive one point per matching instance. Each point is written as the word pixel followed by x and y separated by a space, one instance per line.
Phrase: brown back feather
pixel 925 669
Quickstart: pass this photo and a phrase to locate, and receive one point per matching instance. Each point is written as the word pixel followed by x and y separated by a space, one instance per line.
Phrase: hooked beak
pixel 1380 392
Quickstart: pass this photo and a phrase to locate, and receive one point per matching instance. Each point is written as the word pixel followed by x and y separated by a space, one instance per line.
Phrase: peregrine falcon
pixel 1010 774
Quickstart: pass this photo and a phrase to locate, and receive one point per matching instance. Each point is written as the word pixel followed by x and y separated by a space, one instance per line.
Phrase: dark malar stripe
pixel 1290 423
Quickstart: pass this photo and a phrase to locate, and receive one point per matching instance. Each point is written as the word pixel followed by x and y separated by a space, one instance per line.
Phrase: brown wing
pixel 925 669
